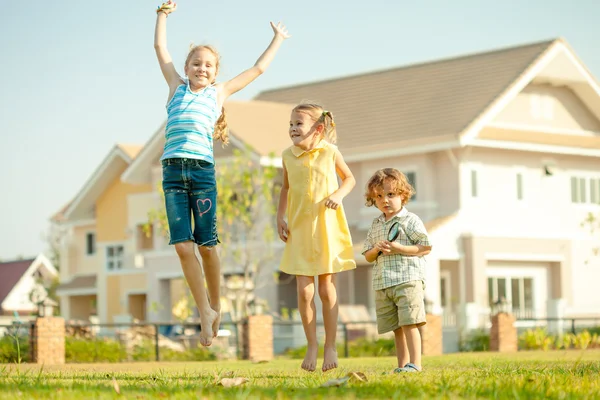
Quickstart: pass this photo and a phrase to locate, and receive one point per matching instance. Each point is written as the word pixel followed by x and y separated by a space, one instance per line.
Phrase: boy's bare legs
pixel 413 343
pixel 401 350
pixel 193 275
pixel 212 271
pixel 306 306
pixel 328 295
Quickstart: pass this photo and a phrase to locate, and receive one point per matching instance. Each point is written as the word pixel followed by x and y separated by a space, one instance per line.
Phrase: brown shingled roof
pixel 10 273
pixel 80 282
pixel 428 100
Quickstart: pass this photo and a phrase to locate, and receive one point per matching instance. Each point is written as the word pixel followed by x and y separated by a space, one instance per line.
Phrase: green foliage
pixel 477 340
pixel 146 351
pixel 14 349
pixel 356 348
pixel 539 339
pixel 93 350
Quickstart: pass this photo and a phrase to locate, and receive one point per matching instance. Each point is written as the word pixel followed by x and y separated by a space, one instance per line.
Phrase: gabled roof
pixel 12 274
pixel 261 125
pixel 430 104
pixel 82 206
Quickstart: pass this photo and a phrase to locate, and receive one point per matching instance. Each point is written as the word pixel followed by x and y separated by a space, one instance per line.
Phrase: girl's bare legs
pixel 328 295
pixel 401 349
pixel 306 306
pixel 413 343
pixel 193 275
pixel 212 271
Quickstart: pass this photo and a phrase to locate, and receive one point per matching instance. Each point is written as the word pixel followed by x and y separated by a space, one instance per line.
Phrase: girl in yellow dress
pixel 316 233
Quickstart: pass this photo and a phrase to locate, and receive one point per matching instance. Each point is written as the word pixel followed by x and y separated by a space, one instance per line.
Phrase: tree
pixel 592 223
pixel 246 225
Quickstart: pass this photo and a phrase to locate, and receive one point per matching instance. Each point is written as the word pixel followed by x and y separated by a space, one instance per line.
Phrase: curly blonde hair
pixel 320 116
pixel 221 130
pixel 397 180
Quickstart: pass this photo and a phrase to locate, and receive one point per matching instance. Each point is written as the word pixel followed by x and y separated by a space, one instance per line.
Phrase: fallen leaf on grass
pixel 357 376
pixel 352 377
pixel 336 382
pixel 116 385
pixel 231 382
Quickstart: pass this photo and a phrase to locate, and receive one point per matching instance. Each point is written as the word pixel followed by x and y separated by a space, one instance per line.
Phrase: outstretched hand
pixel 167 7
pixel 280 30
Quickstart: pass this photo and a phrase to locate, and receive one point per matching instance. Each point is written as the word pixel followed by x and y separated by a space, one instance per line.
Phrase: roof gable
pixel 420 103
pixel 14 276
pixel 82 206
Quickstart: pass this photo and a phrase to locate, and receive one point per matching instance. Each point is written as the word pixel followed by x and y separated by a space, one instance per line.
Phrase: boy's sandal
pixel 410 367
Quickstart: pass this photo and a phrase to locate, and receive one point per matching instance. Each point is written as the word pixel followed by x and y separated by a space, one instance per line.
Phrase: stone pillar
pixel 257 338
pixel 48 341
pixel 431 336
pixel 503 333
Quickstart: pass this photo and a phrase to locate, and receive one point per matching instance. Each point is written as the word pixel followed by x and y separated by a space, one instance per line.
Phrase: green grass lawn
pixel 524 375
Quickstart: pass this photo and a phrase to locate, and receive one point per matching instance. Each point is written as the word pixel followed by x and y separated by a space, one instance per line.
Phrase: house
pixel 19 280
pixel 502 147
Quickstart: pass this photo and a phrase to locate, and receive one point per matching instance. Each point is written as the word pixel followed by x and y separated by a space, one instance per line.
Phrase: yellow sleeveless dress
pixel 319 239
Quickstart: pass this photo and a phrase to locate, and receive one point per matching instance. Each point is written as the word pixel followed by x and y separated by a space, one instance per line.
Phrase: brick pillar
pixel 257 338
pixel 48 341
pixel 503 334
pixel 431 336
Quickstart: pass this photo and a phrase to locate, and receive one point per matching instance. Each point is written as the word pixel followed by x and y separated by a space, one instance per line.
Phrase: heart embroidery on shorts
pixel 203 205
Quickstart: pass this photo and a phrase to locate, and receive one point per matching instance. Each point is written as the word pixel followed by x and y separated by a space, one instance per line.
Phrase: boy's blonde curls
pixel 395 178
pixel 221 130
pixel 320 116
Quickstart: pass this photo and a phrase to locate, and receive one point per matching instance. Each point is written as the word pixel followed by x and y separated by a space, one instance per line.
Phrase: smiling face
pixel 201 68
pixel 388 200
pixel 304 131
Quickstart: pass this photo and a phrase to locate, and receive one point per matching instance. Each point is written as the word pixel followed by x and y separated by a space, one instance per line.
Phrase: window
pixel 518 291
pixel 595 191
pixel 114 257
pixel 90 243
pixel 519 186
pixel 145 237
pixel 412 179
pixel 473 183
pixel 541 106
pixel 579 188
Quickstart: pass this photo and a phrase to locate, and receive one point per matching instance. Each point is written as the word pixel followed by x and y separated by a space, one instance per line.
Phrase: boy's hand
pixel 280 30
pixel 282 230
pixel 384 247
pixel 167 7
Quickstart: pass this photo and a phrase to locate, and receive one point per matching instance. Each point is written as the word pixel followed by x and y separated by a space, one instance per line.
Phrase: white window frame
pixel 114 258
pixel 87 233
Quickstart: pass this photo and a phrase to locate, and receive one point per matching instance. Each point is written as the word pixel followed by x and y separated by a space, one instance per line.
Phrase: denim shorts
pixel 190 190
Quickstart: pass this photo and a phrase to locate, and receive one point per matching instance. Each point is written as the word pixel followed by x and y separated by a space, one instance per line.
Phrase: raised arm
pixel 160 46
pixel 236 84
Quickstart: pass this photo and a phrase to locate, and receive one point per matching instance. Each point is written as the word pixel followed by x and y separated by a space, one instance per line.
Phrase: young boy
pixel 399 271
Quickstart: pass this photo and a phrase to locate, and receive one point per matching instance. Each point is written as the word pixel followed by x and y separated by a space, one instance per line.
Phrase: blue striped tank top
pixel 191 124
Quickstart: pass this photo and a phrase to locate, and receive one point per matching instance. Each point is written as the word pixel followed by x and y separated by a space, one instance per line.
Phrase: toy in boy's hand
pixel 167 7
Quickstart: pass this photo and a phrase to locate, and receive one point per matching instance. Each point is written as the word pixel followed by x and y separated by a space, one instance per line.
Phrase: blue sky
pixel 77 77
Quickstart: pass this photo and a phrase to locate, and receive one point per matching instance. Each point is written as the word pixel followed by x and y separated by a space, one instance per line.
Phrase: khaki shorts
pixel 400 305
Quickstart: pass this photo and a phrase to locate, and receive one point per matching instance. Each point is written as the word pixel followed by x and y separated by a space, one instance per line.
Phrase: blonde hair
pixel 320 116
pixel 221 130
pixel 397 181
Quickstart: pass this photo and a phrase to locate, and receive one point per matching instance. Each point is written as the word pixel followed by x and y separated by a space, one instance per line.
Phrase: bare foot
pixel 330 359
pixel 217 322
pixel 206 326
pixel 310 359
